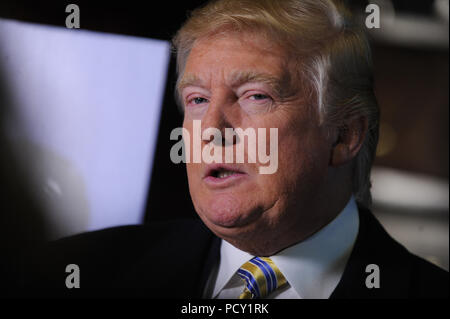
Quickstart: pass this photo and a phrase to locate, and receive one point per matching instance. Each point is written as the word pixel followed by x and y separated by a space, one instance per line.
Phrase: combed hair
pixel 332 54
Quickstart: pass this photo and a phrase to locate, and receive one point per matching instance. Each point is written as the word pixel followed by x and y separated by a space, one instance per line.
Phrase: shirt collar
pixel 312 267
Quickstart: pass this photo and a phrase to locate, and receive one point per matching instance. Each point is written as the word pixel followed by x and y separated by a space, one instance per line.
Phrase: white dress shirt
pixel 313 267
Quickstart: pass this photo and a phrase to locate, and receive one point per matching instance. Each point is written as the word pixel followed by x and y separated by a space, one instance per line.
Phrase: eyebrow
pixel 280 85
pixel 188 80
pixel 239 78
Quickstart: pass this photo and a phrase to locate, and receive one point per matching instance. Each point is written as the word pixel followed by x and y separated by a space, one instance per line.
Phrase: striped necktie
pixel 261 277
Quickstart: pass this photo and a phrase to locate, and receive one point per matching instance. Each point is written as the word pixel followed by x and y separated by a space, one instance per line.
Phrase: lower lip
pixel 226 181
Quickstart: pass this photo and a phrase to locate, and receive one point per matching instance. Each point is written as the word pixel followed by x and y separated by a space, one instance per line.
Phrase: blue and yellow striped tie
pixel 261 277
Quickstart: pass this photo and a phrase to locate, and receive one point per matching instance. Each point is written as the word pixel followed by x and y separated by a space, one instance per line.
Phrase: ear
pixel 349 141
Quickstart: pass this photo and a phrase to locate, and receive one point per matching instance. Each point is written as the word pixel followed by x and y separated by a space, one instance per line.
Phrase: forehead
pixel 232 56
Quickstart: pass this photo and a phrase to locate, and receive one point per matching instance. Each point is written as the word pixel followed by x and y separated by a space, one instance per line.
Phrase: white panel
pixel 88 108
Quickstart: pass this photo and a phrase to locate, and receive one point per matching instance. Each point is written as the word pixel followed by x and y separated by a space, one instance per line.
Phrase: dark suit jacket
pixel 174 259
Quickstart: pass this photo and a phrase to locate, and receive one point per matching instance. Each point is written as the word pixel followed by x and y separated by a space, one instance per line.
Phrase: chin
pixel 252 243
pixel 239 229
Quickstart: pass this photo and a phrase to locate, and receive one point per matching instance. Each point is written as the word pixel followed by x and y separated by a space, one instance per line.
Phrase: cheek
pixel 188 125
pixel 302 158
pixel 194 173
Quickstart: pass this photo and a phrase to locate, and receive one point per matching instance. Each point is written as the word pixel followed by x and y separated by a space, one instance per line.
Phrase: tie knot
pixel 261 277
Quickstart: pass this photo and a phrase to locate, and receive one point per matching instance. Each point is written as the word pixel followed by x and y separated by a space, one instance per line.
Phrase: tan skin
pixel 264 214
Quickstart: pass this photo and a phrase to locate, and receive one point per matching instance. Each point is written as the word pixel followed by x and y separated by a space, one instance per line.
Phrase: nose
pixel 219 116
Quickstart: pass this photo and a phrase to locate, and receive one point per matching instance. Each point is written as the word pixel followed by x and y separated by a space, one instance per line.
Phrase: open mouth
pixel 218 174
pixel 222 173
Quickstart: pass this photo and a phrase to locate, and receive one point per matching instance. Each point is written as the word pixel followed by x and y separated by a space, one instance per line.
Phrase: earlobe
pixel 339 155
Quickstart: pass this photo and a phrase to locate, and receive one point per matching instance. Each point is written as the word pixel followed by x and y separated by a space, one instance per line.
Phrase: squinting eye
pixel 254 102
pixel 197 100
pixel 259 96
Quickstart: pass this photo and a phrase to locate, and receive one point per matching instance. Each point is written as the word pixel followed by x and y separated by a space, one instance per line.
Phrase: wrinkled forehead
pixel 244 57
pixel 249 40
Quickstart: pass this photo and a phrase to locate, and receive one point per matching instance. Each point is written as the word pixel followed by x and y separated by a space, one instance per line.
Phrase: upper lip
pixel 212 168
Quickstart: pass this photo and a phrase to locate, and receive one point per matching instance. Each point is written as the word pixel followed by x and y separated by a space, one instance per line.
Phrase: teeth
pixel 224 174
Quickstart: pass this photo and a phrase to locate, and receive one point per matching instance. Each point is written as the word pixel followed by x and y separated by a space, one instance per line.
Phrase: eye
pixel 259 96
pixel 256 101
pixel 196 101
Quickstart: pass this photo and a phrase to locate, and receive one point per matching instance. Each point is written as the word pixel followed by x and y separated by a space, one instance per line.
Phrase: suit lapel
pixel 211 261
pixel 374 246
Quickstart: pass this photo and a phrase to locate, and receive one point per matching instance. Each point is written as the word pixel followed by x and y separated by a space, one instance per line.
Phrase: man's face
pixel 244 81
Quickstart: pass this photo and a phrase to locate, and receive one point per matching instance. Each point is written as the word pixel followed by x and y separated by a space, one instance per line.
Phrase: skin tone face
pixel 244 81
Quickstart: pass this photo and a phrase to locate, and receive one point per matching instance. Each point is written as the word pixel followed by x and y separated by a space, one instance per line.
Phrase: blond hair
pixel 332 50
